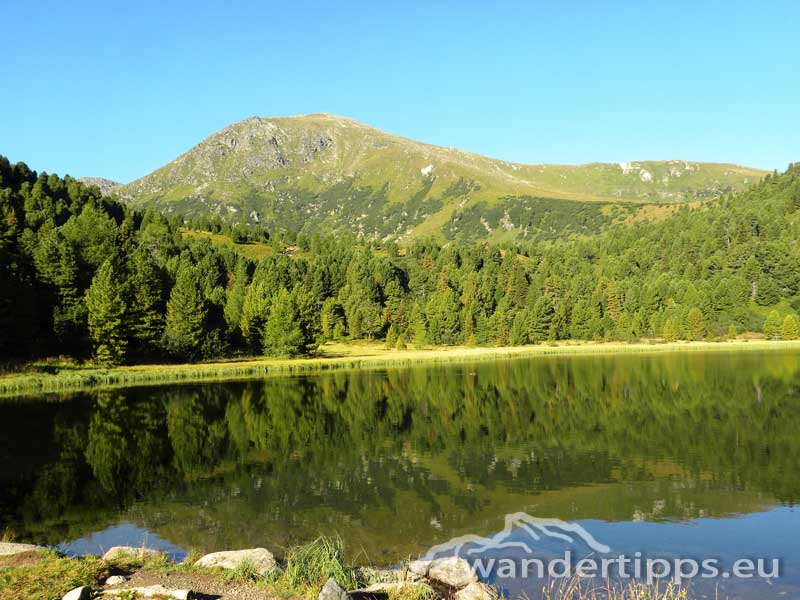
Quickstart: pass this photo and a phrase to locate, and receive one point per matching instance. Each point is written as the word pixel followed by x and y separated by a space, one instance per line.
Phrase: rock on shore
pixel 260 558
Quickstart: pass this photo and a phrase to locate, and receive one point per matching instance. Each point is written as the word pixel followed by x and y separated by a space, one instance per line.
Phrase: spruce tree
pixel 282 336
pixel 106 311
pixel 186 314
pixel 146 314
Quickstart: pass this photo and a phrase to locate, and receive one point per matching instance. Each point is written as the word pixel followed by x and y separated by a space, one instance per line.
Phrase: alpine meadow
pixel 400 301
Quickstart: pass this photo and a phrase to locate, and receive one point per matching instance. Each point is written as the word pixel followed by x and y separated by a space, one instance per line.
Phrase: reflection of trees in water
pixel 450 442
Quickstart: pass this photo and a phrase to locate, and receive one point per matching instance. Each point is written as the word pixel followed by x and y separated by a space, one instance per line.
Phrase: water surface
pixel 665 454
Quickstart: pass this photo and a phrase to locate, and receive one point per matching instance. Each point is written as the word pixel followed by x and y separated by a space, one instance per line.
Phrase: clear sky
pixel 115 89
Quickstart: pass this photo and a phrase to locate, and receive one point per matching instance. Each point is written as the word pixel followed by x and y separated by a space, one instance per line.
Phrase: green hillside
pixel 328 173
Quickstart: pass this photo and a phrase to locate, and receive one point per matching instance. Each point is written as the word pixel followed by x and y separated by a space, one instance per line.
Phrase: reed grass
pixel 335 357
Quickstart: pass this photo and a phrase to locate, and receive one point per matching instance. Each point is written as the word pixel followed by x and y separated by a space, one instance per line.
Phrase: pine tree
pixel 789 329
pixel 106 310
pixel 186 314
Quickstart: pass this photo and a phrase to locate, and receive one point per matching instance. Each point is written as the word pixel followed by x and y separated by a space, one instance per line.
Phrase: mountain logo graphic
pixel 535 527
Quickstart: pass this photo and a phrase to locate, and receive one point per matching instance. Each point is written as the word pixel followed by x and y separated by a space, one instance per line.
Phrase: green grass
pixel 51 577
pixel 252 250
pixel 577 589
pixel 311 565
pixel 334 357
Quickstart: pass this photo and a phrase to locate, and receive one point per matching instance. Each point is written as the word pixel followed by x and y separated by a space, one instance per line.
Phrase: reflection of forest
pixel 394 461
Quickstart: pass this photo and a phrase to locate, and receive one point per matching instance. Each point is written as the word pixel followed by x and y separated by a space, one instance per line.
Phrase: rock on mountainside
pixel 106 185
pixel 327 173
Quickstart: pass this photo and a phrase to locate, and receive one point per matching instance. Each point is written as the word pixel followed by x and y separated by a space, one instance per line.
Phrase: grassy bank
pixel 46 575
pixel 334 357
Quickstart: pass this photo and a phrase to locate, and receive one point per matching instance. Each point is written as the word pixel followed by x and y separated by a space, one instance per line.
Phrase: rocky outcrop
pixel 260 558
pixel 118 552
pixel 105 185
pixel 8 549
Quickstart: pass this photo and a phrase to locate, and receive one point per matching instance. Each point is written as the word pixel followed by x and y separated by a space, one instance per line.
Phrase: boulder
pixel 7 548
pixel 332 591
pixel 115 580
pixel 261 558
pixel 452 570
pixel 155 591
pixel 477 591
pixel 129 552
pixel 81 593
pixel 419 567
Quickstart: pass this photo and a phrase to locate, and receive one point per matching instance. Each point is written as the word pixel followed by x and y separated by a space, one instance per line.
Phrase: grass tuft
pixel 577 589
pixel 313 563
pixel 245 572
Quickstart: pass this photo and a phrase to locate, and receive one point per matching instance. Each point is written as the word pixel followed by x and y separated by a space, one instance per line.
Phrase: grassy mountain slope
pixel 324 171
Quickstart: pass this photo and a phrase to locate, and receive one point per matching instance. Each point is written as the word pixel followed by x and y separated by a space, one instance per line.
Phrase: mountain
pixel 330 173
pixel 106 185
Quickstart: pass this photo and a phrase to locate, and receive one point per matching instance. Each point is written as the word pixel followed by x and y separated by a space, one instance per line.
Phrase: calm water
pixel 678 455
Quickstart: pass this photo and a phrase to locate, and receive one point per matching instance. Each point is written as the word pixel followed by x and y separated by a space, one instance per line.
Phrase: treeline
pixel 83 276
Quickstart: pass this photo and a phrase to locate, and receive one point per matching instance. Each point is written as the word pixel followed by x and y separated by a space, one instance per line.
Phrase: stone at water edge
pixel 8 549
pixel 477 591
pixel 115 580
pixel 82 593
pixel 261 558
pixel 453 571
pixel 155 591
pixel 419 567
pixel 129 552
pixel 332 591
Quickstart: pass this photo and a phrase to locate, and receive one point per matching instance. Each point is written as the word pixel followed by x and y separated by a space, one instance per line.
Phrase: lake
pixel 669 455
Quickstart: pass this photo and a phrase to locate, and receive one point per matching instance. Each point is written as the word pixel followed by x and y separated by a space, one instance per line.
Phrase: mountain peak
pixel 331 172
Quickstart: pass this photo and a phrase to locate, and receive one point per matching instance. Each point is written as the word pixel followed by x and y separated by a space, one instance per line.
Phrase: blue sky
pixel 115 90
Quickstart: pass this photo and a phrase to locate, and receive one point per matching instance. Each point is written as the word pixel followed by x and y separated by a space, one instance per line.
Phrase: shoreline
pixel 339 356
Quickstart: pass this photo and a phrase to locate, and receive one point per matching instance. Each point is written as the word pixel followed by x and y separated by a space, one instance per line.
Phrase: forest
pixel 87 277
